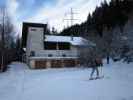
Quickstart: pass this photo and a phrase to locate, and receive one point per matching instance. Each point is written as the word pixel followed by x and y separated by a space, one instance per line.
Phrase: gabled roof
pixel 25 30
pixel 77 41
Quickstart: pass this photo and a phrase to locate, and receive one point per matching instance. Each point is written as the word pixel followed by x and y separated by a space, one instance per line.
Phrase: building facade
pixel 49 51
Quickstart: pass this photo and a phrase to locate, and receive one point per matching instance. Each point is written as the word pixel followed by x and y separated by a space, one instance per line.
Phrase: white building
pixel 49 51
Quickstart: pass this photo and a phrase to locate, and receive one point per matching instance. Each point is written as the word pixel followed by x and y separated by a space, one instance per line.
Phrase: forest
pixel 116 13
pixel 108 26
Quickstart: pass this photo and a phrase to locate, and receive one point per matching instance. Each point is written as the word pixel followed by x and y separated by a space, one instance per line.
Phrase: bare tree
pixel 6 28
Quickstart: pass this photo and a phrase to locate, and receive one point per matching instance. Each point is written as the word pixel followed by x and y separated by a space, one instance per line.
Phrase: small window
pixel 63 55
pixel 33 29
pixel 32 53
pixel 50 55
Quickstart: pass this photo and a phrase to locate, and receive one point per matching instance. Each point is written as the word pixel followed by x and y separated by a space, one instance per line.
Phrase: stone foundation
pixel 50 63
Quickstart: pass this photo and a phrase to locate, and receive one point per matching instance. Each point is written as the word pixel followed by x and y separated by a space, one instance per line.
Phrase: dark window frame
pixel 56 45
pixel 50 46
pixel 63 46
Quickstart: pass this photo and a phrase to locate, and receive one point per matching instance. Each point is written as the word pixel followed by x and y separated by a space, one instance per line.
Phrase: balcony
pixel 57 53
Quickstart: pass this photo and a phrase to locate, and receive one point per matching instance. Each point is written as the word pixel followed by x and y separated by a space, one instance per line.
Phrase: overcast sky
pixel 49 11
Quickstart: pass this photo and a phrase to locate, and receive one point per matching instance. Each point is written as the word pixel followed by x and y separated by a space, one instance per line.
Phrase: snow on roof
pixel 77 41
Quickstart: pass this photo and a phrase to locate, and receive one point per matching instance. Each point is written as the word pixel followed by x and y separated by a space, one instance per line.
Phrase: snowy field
pixel 21 83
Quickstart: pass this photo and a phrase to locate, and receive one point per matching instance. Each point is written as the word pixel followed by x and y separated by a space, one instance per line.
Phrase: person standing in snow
pixel 108 58
pixel 95 64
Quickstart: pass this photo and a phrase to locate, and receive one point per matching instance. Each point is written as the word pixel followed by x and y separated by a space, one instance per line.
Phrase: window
pixel 63 46
pixel 56 46
pixel 50 55
pixel 33 29
pixel 49 45
pixel 64 55
pixel 32 53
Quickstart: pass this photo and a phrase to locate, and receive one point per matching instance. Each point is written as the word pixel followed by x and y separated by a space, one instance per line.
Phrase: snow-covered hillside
pixel 21 83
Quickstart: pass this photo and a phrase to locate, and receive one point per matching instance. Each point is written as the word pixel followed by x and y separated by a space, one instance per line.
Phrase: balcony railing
pixel 56 53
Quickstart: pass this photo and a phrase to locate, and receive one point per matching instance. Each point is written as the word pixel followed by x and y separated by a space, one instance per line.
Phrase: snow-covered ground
pixel 22 83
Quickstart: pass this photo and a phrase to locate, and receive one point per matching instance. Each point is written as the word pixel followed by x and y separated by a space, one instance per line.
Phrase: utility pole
pixel 3 39
pixel 71 19
pixel 72 16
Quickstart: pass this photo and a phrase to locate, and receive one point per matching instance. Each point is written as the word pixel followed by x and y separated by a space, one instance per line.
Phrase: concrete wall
pixel 34 40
